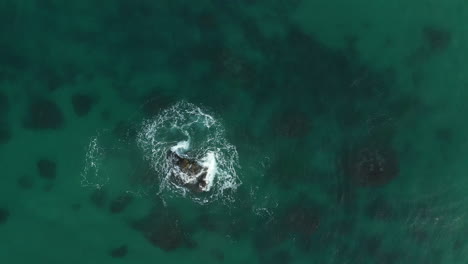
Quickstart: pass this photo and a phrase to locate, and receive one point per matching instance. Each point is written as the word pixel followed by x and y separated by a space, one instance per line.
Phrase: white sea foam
pixel 181 147
pixel 184 129
pixel 189 131
pixel 209 162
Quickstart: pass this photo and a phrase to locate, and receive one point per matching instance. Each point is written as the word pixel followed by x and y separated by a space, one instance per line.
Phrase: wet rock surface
pixel 191 170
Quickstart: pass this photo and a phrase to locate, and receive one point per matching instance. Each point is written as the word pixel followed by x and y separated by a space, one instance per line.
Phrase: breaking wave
pixel 184 129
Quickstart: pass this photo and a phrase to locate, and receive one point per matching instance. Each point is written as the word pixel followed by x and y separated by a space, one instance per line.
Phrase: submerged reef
pixel 43 114
pixel 298 222
pixel 82 103
pixel 163 228
pixel 120 203
pixel 371 164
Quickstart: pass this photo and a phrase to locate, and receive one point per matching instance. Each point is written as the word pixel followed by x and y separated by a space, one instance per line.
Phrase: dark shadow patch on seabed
pixel 125 130
pixel 154 102
pixel 292 123
pixel 381 209
pixel 435 40
pixel 281 256
pixel 120 203
pixel 164 228
pixel 217 254
pixel 299 220
pixel 99 198
pixel 234 224
pixel 119 252
pixel 4 105
pixel 4 215
pixel 25 182
pixel 5 130
pixel 83 103
pixel 52 79
pixel 371 164
pixel 47 168
pixel 43 114
pixel 5 133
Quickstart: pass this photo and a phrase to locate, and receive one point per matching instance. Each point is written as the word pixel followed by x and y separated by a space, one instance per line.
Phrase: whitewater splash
pixel 185 149
pixel 189 132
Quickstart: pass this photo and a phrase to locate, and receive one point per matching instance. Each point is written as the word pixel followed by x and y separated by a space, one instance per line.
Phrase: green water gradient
pixel 347 116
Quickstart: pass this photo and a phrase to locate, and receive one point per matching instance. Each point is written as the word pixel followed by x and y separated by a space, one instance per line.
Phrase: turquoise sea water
pixel 338 126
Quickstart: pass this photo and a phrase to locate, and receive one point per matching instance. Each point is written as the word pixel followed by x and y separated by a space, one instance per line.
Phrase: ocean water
pixel 328 131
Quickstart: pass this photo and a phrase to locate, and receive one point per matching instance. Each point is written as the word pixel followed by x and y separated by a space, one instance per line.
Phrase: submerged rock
pixel 187 172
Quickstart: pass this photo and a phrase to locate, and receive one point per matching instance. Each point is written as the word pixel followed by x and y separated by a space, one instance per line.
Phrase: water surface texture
pixel 240 131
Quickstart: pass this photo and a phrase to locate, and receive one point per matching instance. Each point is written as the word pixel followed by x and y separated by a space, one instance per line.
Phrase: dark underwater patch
pixel 5 133
pixel 43 114
pixel 292 124
pixel 154 102
pixel 12 58
pixel 371 163
pixel 380 209
pixel 120 203
pixel 47 168
pixel 99 198
pixel 82 103
pixel 124 130
pixel 300 220
pixel 436 39
pixel 119 252
pixel 164 229
pixel 279 256
pixel 287 169
pixel 217 254
pixel 4 215
pixel 25 182
pixel 50 78
pixel 4 105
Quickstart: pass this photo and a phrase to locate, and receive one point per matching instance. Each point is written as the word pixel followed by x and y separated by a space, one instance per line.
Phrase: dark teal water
pixel 347 118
